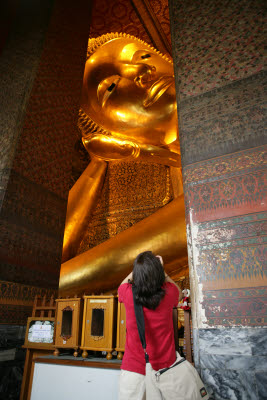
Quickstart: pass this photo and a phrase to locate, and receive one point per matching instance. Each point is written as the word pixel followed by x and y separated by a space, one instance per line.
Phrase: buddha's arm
pixel 82 199
pixel 177 181
pixel 103 267
pixel 111 148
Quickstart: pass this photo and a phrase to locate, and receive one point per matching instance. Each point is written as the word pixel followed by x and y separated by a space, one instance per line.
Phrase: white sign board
pixel 41 331
pixel 67 382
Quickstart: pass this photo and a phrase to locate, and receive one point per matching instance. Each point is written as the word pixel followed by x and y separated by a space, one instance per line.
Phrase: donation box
pixel 121 331
pixel 99 324
pixel 68 325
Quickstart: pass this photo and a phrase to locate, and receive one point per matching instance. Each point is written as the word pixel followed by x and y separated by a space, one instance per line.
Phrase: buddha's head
pixel 128 90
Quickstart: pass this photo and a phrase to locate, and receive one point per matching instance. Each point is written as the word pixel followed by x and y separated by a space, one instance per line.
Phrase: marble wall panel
pixel 228 364
pixel 225 341
pixel 231 384
pixel 261 382
pixel 258 338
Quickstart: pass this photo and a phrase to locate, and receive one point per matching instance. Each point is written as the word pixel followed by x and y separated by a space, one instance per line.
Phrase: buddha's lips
pixel 157 89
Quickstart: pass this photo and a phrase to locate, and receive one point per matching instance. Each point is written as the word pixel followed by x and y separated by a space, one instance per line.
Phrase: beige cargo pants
pixel 181 382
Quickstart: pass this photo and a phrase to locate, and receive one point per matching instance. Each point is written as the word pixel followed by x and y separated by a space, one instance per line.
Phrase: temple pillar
pixel 218 60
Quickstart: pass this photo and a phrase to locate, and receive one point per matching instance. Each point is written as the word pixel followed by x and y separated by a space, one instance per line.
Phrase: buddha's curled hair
pixel 148 278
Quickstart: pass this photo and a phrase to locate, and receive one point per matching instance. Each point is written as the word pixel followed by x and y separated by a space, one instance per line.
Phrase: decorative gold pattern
pixel 131 192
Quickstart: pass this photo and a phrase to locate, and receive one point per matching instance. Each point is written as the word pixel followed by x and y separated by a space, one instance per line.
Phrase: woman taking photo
pixel 158 294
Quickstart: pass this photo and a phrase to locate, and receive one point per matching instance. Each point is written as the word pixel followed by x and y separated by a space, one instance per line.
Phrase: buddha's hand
pixel 110 148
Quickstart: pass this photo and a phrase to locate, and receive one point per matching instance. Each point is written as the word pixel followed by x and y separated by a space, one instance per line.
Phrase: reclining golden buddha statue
pixel 128 114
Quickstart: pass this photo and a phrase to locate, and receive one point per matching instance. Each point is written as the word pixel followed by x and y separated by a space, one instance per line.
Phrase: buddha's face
pixel 128 89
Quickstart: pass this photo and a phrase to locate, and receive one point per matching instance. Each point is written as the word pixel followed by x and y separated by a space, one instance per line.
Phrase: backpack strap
pixel 139 315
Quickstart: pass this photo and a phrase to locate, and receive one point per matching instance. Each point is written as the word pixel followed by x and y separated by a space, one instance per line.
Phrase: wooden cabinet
pixel 99 324
pixel 121 330
pixel 68 324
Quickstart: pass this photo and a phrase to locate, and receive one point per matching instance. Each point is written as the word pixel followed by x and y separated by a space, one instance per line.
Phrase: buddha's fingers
pixel 112 148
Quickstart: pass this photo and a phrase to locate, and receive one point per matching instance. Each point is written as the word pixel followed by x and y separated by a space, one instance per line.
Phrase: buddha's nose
pixel 145 75
pixel 140 73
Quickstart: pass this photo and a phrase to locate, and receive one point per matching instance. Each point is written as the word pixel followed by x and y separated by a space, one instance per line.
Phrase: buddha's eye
pixel 140 56
pixel 106 88
pixel 111 87
pixel 145 56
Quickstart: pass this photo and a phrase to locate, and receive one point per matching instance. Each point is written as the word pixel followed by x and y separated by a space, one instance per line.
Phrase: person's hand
pixel 160 259
pixel 130 278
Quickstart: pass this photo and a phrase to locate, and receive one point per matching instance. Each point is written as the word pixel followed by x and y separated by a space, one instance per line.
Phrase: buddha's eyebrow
pixel 105 87
pixel 100 85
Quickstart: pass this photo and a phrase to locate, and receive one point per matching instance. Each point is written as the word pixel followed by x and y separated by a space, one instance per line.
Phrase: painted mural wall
pixel 218 58
pixel 42 65
pixel 41 69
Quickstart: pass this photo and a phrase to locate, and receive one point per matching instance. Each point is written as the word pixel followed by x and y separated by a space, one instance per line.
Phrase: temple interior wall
pixel 41 70
pixel 42 62
pixel 218 60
